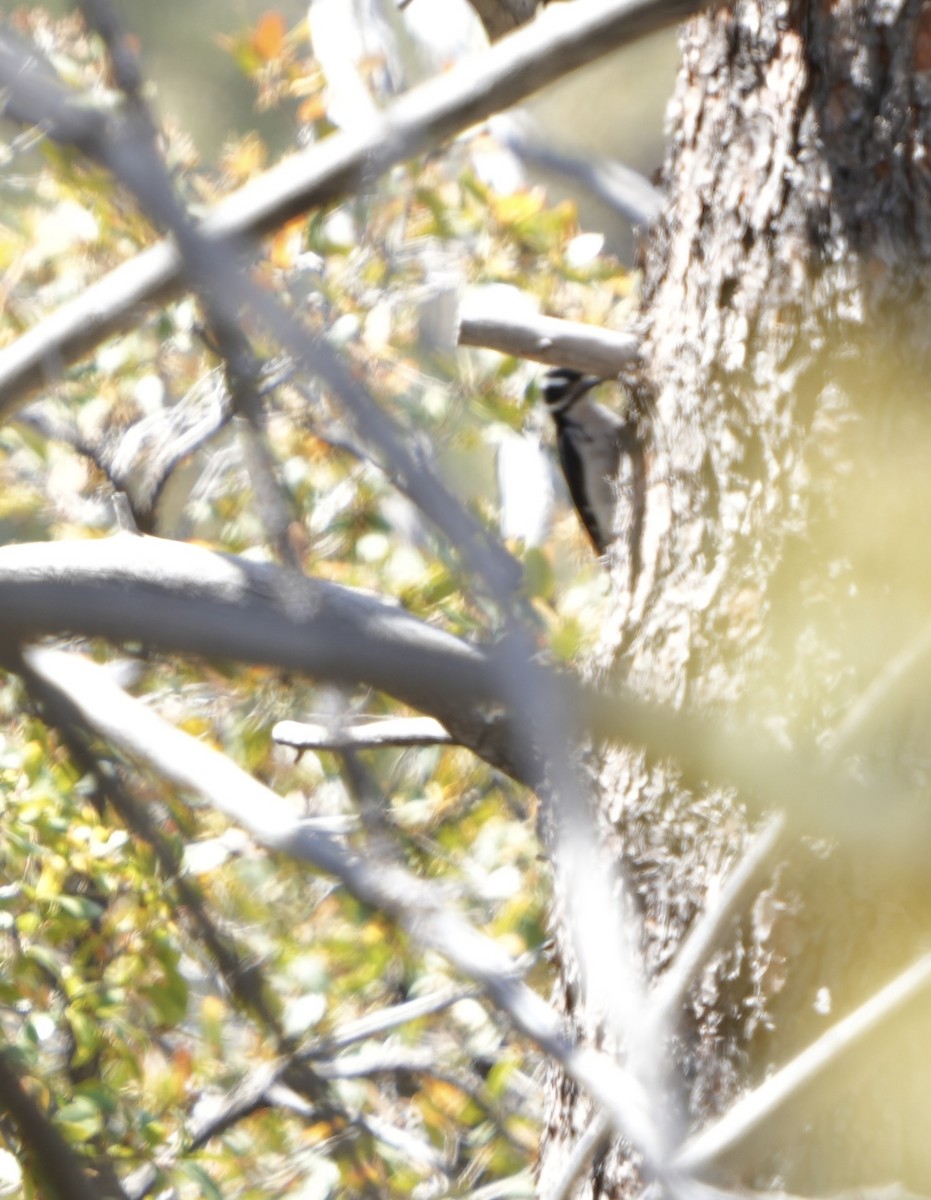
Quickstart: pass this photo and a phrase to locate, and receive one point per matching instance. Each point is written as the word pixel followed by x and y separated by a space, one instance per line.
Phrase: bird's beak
pixel 587 382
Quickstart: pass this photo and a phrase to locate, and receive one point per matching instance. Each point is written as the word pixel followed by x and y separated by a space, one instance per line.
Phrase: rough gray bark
pixel 785 555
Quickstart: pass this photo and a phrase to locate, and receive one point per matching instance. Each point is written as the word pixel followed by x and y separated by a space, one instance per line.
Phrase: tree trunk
pixel 785 562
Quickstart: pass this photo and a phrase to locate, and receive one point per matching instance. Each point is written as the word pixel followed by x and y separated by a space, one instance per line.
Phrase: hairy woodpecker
pixel 600 454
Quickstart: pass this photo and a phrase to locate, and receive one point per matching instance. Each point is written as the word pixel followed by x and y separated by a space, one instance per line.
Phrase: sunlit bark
pixel 785 554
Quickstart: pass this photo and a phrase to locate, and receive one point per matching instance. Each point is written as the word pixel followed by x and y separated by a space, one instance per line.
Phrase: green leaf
pixel 80 907
pixel 81 1119
pixel 86 1036
pixel 204 1182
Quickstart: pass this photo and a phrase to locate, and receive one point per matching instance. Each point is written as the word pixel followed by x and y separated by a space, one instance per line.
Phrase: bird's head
pixel 562 387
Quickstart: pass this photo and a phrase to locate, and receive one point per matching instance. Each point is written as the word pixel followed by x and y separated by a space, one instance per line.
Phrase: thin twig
pixel 55 429
pixel 367 735
pixel 517 1187
pixel 878 699
pixel 712 926
pixel 595 1137
pixel 422 1060
pixel 252 1092
pixel 386 1019
pixel 403 1142
pixel 548 339
pixel 712 1143
pixel 241 365
pixel 620 187
pixel 143 460
pixel 383 837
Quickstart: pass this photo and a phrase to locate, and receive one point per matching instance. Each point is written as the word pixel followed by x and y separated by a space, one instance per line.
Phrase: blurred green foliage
pixel 119 1014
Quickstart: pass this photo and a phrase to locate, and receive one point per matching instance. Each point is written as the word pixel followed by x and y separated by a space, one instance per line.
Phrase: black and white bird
pixel 597 447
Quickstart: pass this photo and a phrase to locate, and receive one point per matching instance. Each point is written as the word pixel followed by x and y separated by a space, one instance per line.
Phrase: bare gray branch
pixel 586 348
pixel 368 735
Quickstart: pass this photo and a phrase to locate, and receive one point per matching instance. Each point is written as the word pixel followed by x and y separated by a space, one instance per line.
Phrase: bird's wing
pixel 573 472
